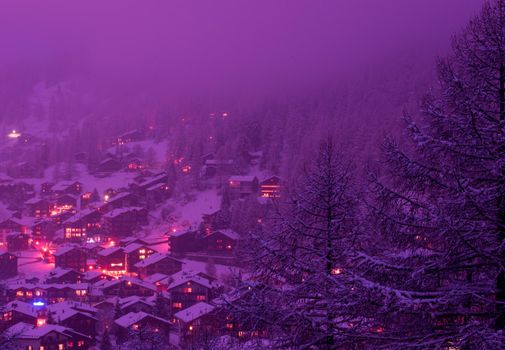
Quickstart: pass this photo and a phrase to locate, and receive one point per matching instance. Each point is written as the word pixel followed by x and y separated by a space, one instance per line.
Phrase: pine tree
pixel 105 343
pixel 95 197
pixel 117 310
pixel 161 306
pixel 440 212
pixel 302 278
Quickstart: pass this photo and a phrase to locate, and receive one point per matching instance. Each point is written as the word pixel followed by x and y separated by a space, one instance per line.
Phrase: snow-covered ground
pixel 31 264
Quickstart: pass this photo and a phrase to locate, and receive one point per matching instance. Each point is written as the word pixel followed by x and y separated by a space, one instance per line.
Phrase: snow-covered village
pixel 233 175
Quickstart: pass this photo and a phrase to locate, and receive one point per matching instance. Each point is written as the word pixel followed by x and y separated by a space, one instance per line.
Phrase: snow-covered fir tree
pixel 304 290
pixel 439 211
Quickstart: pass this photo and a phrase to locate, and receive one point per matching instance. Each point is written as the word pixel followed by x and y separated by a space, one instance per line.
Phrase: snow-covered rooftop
pixel 194 312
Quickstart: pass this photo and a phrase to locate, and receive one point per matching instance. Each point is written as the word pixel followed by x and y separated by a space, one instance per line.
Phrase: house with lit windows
pixel 8 265
pixel 137 321
pixel 112 261
pixel 136 252
pixel 47 337
pixel 71 257
pixel 270 187
pixel 200 318
pixel 188 288
pixel 221 241
pixel 242 186
pixel 158 263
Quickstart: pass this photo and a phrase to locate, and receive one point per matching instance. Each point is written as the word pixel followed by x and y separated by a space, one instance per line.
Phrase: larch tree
pixel 440 211
pixel 302 288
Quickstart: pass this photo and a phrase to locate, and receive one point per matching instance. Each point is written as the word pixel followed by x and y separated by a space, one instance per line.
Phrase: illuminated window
pixel 190 328
pixel 229 326
pixel 42 347
pixel 142 257
pixel 200 297
pixel 29 294
pixel 188 290
pixel 61 347
pixel 135 326
pixel 177 305
pixel 336 271
pixel 80 343
pixel 241 333
pixel 8 316
pixel 20 293
pixel 41 322
pixel 142 251
pixel 80 292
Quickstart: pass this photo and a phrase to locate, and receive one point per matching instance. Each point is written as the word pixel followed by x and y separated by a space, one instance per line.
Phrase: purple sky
pixel 226 44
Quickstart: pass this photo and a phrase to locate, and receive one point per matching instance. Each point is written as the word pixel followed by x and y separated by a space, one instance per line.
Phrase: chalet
pixel 95 276
pixel 17 241
pixel 135 321
pixel 44 230
pixel 136 252
pixel 93 248
pixel 158 263
pixel 38 207
pixel 183 242
pixel 9 226
pixel 86 198
pixel 23 170
pixel 126 286
pixel 48 293
pixel 67 200
pixel 137 304
pixel 188 288
pixel 18 311
pixel 242 186
pixel 130 240
pixel 82 225
pixel 71 257
pixel 119 200
pixel 270 187
pixel 74 315
pixel 60 217
pixel 113 261
pixel 47 337
pixel 200 318
pixel 135 164
pixel 157 194
pixel 62 275
pixel 217 168
pixel 221 241
pixel 131 136
pixel 156 185
pixel 109 165
pixel 8 265
pixel 73 188
pixel 46 189
pixel 156 278
pixel 125 221
pixel 57 293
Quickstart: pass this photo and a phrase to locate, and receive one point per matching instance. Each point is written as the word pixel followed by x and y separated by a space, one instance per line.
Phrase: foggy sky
pixel 224 45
